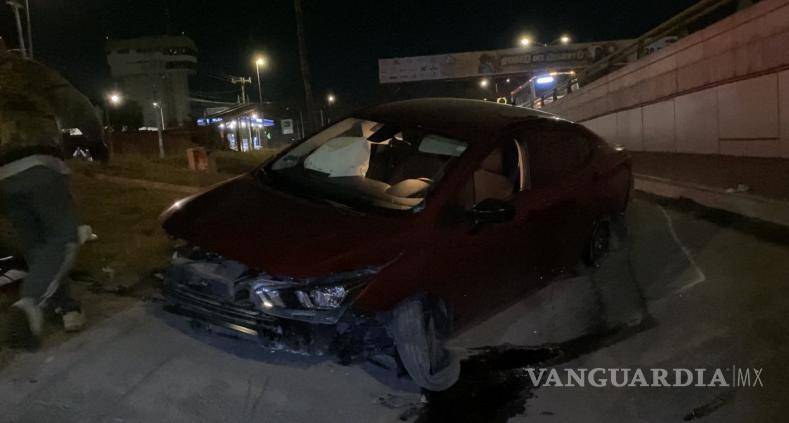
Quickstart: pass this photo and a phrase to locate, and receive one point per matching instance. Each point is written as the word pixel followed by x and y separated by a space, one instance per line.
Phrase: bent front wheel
pixel 417 328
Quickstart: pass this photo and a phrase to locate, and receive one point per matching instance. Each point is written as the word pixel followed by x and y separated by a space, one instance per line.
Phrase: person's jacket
pixel 35 104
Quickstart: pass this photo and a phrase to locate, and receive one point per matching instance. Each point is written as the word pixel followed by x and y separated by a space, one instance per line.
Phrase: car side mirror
pixel 492 210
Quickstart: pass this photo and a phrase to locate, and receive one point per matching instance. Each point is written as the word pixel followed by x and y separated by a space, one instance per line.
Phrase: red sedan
pixel 386 230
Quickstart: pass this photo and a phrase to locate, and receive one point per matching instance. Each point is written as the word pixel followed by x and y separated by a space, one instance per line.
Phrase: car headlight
pixel 325 297
pixel 308 297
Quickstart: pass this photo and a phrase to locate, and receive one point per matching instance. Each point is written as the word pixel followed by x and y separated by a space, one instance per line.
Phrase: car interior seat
pixel 491 181
pixel 416 166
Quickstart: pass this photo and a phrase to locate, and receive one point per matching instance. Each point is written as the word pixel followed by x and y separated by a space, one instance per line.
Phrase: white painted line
pixel 700 277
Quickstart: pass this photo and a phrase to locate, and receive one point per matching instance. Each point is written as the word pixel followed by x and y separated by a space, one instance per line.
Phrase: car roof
pixel 466 119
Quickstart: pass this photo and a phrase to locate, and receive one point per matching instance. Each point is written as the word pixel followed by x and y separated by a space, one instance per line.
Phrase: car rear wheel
pixel 599 243
pixel 419 328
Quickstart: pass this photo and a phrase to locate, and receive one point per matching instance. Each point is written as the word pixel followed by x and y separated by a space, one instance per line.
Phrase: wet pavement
pixel 688 289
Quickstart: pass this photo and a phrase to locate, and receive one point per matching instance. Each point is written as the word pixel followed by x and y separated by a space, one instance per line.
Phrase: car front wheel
pixel 419 328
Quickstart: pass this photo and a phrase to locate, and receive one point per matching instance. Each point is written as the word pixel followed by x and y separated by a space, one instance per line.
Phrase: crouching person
pixel 35 104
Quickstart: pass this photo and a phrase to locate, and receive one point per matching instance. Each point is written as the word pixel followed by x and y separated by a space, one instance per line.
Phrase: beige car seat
pixel 490 181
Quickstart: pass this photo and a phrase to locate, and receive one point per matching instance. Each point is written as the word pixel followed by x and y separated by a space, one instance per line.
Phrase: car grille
pixel 201 306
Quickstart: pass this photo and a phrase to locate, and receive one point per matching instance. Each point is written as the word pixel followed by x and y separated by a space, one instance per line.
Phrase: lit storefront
pixel 241 128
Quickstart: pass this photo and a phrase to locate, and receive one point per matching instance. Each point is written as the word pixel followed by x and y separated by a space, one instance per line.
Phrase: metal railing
pixel 674 26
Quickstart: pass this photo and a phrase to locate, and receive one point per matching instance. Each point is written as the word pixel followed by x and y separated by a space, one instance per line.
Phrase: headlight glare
pixel 267 298
pixel 304 299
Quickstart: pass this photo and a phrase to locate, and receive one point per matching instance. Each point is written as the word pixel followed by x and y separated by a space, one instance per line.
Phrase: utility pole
pixel 240 80
pixel 29 30
pixel 305 68
pixel 14 4
pixel 301 120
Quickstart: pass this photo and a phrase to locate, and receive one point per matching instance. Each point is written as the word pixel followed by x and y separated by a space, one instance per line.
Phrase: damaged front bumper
pixel 232 317
pixel 225 294
pixel 271 332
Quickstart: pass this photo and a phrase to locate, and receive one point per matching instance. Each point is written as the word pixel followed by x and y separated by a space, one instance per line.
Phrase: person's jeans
pixel 39 205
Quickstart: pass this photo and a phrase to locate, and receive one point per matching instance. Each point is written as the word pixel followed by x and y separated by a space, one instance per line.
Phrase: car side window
pixel 500 175
pixel 554 152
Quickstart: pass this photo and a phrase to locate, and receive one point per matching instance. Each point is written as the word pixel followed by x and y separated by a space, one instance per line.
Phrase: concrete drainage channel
pixel 749 205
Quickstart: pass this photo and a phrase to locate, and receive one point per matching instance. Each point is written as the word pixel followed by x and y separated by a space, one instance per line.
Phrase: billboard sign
pixel 494 62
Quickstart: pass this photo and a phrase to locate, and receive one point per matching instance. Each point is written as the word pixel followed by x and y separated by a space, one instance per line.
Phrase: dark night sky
pixel 345 38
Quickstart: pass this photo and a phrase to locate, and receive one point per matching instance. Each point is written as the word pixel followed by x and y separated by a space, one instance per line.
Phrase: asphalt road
pixel 685 290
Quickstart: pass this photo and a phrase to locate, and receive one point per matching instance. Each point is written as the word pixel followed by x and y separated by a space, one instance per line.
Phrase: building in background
pixel 152 70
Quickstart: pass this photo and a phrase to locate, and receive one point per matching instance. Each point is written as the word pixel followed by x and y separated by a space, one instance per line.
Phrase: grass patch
pixel 131 243
pixel 168 170
pixel 175 169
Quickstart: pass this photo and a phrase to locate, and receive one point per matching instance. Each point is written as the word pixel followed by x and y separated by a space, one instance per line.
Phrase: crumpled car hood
pixel 280 234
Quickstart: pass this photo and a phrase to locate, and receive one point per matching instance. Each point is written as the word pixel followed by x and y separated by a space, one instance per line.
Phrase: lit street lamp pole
pixel 260 62
pixel 14 4
pixel 114 99
pixel 330 99
pixel 563 39
pixel 160 128
pixel 29 30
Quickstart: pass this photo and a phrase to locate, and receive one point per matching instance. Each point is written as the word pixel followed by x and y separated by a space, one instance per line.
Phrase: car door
pixel 489 263
pixel 559 199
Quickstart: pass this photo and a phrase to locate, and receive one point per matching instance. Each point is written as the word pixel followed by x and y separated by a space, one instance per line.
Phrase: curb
pixel 753 206
pixel 142 183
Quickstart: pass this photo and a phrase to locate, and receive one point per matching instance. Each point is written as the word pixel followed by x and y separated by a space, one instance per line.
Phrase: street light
pixel 15 5
pixel 156 105
pixel 260 62
pixel 115 98
pixel 484 82
pixel 29 30
pixel 160 128
pixel 330 99
pixel 524 41
pixel 565 39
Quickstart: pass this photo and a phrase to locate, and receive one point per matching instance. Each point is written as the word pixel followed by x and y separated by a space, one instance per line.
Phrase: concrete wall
pixel 721 90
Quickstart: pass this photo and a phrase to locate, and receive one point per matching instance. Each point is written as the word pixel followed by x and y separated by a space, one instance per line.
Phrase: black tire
pixel 599 244
pixel 419 328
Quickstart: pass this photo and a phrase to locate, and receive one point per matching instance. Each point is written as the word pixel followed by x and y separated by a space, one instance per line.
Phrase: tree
pixel 129 114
